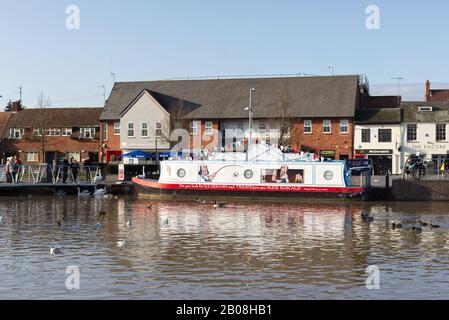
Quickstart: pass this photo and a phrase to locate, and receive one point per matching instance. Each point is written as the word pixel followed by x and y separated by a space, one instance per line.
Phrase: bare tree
pixel 174 121
pixel 42 103
pixel 281 119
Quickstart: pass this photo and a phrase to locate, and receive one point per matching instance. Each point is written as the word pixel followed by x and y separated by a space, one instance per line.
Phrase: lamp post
pixel 250 117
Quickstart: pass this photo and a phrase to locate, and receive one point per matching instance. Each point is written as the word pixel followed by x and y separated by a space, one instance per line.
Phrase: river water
pixel 244 251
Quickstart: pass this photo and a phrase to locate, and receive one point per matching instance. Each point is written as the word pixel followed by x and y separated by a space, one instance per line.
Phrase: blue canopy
pixel 137 154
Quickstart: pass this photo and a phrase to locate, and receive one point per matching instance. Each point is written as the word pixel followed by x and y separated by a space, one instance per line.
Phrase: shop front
pixel 327 154
pixel 382 160
pixel 434 154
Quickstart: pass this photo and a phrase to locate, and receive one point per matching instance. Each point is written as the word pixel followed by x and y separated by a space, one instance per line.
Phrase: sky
pixel 156 40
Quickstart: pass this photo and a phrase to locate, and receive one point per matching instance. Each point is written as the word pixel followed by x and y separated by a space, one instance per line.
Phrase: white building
pixel 424 132
pixel 144 125
pixel 377 136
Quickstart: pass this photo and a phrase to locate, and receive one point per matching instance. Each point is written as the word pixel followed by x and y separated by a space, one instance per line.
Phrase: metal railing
pixel 426 171
pixel 44 173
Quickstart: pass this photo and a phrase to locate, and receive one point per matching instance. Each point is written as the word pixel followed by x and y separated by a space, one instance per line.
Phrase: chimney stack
pixel 428 91
pixel 15 106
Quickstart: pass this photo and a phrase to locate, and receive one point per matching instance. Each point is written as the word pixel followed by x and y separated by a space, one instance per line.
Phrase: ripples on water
pixel 244 251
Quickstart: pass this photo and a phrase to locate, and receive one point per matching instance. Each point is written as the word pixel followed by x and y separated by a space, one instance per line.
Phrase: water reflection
pixel 193 251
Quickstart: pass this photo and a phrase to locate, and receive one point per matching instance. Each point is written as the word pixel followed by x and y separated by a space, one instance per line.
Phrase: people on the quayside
pixel 8 169
pixel 75 168
pixel 65 170
pixel 204 174
pixel 14 169
pixel 87 167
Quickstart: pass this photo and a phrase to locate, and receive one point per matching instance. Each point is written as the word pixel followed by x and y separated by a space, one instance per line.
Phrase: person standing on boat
pixel 281 176
pixel 204 174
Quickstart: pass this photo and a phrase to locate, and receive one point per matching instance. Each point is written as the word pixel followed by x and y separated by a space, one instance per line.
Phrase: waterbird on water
pixel 219 205
pixel 166 221
pixel 84 193
pixel 128 223
pixel 54 250
pixel 396 225
pixel 100 192
pixel 121 243
pixel 424 224
pixel 366 216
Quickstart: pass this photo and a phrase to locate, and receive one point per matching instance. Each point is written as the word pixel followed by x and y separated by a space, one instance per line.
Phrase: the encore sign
pixel 436 146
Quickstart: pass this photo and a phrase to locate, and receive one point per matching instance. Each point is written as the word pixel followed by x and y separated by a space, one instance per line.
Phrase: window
pixel 116 128
pixel 366 135
pixel 144 131
pixel 87 133
pixel 194 128
pixel 208 127
pixel 158 130
pixel 130 130
pixel 262 128
pixel 66 132
pixel 344 126
pixel 441 132
pixel 240 126
pixel 53 132
pixel 37 132
pixel 412 132
pixel 32 156
pixel 327 126
pixel 16 133
pixel 384 135
pixel 105 132
pixel 307 126
pixel 74 155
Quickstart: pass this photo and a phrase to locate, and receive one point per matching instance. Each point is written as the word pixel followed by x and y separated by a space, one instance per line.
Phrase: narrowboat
pixel 263 173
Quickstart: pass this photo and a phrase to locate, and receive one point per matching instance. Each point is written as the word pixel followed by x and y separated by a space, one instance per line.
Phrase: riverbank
pixel 420 190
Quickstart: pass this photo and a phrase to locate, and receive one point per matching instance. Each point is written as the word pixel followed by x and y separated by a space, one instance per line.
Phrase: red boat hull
pixel 153 188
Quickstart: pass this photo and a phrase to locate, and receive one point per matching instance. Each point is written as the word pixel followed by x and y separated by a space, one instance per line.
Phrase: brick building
pixel 4 117
pixel 319 111
pixel 71 132
pixel 436 95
